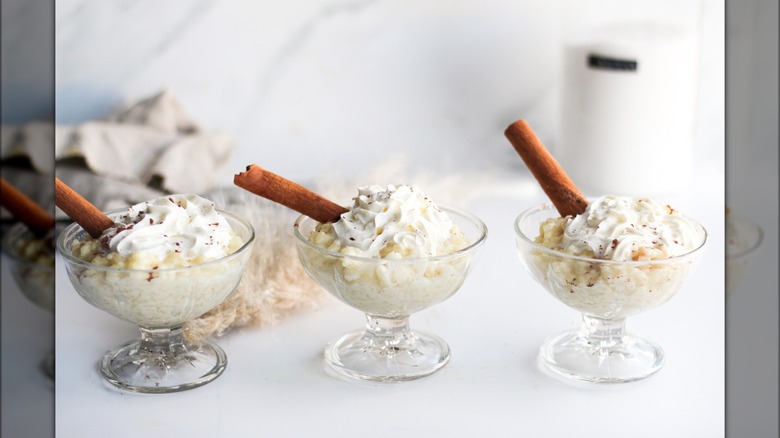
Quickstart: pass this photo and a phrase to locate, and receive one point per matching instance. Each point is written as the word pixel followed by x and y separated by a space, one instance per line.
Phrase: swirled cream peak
pixel 187 226
pixel 626 228
pixel 398 221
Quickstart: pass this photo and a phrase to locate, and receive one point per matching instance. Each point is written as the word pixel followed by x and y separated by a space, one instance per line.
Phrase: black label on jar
pixel 606 63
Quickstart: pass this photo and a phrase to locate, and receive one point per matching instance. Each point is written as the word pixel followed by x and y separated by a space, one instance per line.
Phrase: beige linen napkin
pixel 151 138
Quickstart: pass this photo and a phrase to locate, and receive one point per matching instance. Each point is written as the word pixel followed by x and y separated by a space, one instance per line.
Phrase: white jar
pixel 628 95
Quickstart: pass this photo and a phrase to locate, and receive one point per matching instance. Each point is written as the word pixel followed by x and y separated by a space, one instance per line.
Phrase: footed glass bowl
pixel 743 238
pixel 32 268
pixel 389 291
pixel 159 301
pixel 606 292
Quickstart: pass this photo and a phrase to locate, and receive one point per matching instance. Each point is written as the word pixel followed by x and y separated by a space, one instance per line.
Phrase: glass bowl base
pixel 184 367
pixel 574 356
pixel 360 355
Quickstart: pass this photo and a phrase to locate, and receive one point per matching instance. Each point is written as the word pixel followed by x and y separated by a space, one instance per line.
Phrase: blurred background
pixel 329 88
pixel 349 82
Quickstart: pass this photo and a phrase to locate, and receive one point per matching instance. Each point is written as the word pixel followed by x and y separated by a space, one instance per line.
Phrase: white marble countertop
pixel 275 384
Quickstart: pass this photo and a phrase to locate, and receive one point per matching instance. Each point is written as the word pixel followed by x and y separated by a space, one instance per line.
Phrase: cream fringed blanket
pixel 274 283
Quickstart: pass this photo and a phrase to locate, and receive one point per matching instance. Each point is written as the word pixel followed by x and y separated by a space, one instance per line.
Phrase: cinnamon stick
pixel 80 210
pixel 565 196
pixel 25 209
pixel 282 191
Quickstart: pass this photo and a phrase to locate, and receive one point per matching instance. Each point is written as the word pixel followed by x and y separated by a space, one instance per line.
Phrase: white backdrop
pixel 348 81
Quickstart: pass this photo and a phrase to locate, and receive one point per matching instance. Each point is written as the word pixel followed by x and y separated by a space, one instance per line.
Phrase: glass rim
pixel 483 233
pixel 75 227
pixel 548 206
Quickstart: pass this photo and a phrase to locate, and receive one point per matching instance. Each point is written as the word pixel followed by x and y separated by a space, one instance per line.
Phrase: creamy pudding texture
pixel 168 232
pixel 628 247
pixel 38 250
pixel 383 246
pixel 134 270
pixel 33 270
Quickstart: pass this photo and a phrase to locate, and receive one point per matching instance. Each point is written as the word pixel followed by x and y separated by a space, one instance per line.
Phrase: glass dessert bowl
pixel 606 292
pixel 743 237
pixel 32 268
pixel 388 291
pixel 159 302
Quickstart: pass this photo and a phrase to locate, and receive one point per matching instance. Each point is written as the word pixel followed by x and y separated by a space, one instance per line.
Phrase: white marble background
pixel 315 87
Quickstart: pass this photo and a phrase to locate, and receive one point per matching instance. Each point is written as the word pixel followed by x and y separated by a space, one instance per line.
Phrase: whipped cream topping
pixel 187 225
pixel 399 221
pixel 626 228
